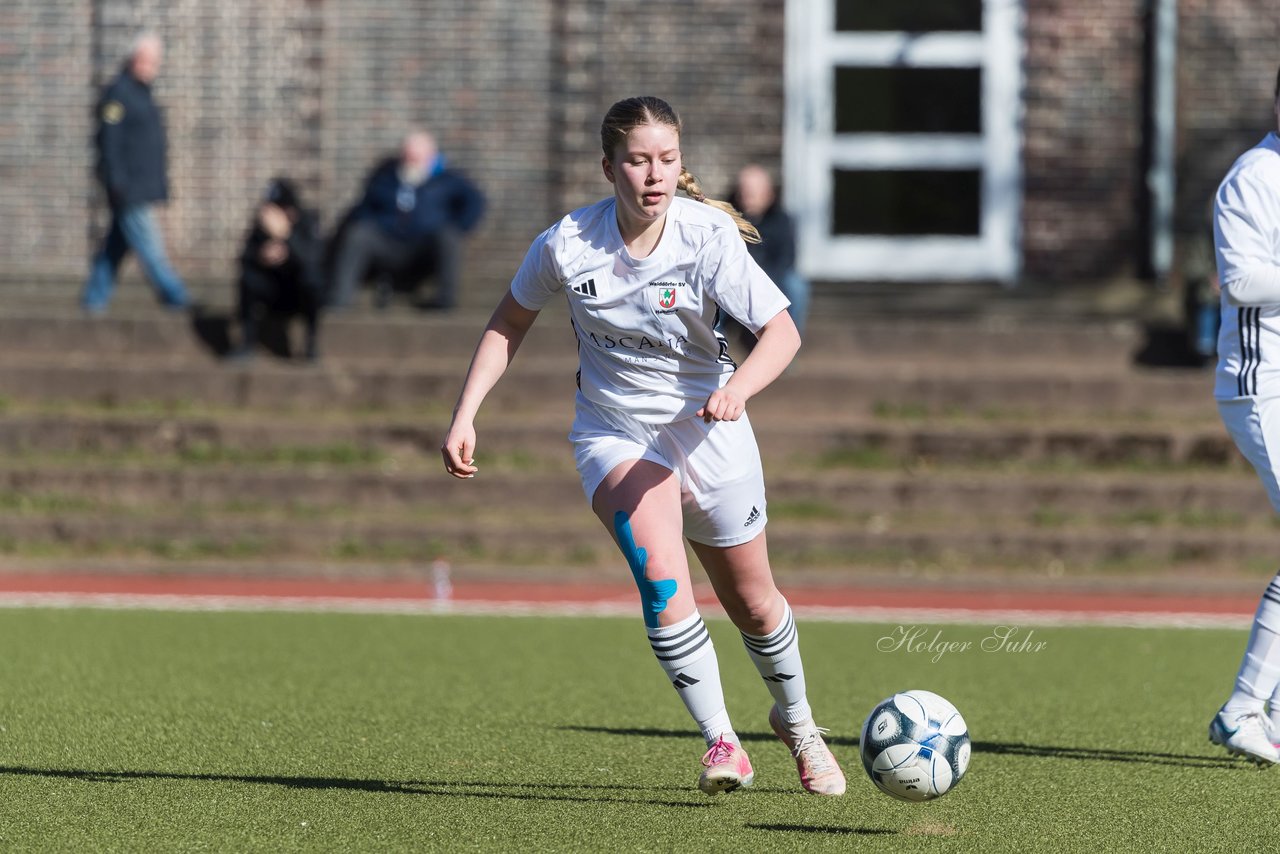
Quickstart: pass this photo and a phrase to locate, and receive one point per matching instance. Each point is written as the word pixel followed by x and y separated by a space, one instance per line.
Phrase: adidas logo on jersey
pixel 586 289
pixel 751 520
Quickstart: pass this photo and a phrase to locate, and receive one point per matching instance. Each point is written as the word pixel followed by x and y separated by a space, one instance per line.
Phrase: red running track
pixel 85 589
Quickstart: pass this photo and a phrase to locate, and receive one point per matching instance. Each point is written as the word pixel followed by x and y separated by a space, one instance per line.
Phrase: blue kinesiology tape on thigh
pixel 653 594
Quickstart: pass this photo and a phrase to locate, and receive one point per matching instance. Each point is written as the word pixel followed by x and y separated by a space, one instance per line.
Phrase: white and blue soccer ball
pixel 915 746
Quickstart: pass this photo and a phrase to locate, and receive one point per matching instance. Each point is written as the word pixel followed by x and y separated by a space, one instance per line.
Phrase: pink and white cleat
pixel 727 768
pixel 820 774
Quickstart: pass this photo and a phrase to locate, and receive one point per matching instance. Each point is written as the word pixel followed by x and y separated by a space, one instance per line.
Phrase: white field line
pixel 869 614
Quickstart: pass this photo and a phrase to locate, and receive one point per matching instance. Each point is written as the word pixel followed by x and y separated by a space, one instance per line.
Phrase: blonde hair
pixel 628 114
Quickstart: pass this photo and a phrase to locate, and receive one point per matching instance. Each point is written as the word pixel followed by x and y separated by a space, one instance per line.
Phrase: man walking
pixel 131 166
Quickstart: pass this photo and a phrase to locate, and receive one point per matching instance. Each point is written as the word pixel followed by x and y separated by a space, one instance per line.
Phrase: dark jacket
pixel 776 251
pixel 131 144
pixel 445 200
pixel 300 273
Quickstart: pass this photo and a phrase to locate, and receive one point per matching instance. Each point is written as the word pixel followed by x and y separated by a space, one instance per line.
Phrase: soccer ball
pixel 915 746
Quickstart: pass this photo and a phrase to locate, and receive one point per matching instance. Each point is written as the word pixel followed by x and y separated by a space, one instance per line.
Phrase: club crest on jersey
pixel 667 294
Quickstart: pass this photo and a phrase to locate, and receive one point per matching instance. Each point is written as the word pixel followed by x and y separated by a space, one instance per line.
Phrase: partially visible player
pixel 1246 231
pixel 661 436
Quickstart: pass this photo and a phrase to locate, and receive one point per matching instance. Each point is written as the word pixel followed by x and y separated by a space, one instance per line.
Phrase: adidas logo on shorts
pixel 753 518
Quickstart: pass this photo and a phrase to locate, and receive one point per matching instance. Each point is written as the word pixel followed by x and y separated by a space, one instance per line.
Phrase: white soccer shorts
pixel 1254 424
pixel 717 465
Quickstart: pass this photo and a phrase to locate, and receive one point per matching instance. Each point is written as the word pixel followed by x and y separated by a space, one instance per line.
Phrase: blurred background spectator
pixel 280 269
pixel 1201 294
pixel 756 196
pixel 407 227
pixel 132 158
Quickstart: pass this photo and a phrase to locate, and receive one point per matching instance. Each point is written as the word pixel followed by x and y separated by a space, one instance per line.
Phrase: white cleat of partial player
pixel 1247 734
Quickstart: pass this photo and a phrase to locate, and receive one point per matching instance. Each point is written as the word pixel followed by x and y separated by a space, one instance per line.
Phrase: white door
pixel 902 138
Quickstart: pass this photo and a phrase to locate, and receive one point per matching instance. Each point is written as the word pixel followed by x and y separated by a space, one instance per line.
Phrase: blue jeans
pixel 133 228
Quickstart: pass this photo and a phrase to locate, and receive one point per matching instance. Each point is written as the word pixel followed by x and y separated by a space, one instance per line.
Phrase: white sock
pixel 688 656
pixel 1259 675
pixel 777 657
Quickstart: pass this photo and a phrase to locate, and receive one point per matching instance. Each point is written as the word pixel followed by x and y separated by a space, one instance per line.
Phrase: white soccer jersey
pixel 647 342
pixel 1246 237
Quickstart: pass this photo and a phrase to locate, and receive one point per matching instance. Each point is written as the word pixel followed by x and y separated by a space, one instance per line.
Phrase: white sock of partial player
pixel 688 656
pixel 777 657
pixel 1259 675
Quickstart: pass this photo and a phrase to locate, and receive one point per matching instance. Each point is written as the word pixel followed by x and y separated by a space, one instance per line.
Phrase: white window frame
pixel 812 149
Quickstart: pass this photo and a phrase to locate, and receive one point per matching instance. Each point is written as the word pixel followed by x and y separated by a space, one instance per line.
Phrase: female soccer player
pixel 1246 236
pixel 660 434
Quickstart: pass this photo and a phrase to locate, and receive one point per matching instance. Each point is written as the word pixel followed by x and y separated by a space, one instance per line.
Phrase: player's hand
pixel 273 253
pixel 458 450
pixel 724 404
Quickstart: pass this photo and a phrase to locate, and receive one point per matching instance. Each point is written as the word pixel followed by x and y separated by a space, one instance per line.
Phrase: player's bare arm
pixel 778 343
pixel 498 345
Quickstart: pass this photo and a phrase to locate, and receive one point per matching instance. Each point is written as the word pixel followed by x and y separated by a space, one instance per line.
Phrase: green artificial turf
pixel 147 731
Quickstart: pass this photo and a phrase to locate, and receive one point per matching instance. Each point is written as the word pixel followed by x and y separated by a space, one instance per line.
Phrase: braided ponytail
pixel 693 190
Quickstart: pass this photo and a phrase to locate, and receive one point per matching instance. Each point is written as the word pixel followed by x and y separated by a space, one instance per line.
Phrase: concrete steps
pixel 1200 499
pixel 539 439
pixel 943 544
pixel 828 386
pixel 139 329
pixel 1026 446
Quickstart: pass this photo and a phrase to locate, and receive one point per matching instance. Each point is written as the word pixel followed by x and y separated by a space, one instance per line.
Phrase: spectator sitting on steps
pixel 408 226
pixel 280 268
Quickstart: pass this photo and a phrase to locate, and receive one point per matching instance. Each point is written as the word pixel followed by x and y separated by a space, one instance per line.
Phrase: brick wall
pixel 479 76
pixel 240 90
pixel 319 89
pixel 1082 137
pixel 1229 51
pixel 46 101
pixel 718 62
pixel 1083 157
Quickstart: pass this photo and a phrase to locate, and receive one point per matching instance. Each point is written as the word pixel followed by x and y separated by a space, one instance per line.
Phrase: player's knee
pixel 656 591
pixel 659 568
pixel 652 577
pixel 757 612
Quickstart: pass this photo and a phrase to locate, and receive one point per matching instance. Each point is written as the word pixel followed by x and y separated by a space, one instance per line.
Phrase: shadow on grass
pixel 1101 754
pixel 1005 748
pixel 437 788
pixel 835 831
pixel 654 732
